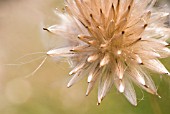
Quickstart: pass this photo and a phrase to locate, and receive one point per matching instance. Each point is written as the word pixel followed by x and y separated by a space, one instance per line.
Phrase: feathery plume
pixel 113 41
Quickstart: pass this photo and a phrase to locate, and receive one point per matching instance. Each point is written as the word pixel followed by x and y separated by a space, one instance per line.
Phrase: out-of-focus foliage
pixel 21 23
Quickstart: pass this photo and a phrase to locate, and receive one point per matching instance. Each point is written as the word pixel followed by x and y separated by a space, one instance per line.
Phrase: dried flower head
pixel 113 41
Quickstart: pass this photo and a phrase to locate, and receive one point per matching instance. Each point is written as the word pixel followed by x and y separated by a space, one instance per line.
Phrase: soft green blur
pixel 45 92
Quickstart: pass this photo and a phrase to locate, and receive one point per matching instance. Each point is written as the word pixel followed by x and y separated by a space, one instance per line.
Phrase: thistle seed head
pixel 113 41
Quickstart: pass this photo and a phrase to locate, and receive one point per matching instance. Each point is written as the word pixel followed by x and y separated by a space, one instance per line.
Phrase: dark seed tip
pixel 45 29
pixel 101 11
pixel 146 86
pixel 123 32
pixel 167 45
pixel 141 63
pixel 112 5
pixel 129 7
pixel 86 27
pixel 91 15
pixel 145 25
pixel 98 104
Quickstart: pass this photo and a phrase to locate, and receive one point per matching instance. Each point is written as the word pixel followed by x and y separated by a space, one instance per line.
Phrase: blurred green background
pixel 21 23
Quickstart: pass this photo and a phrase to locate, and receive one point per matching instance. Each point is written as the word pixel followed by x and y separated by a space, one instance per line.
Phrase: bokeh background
pixel 45 92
